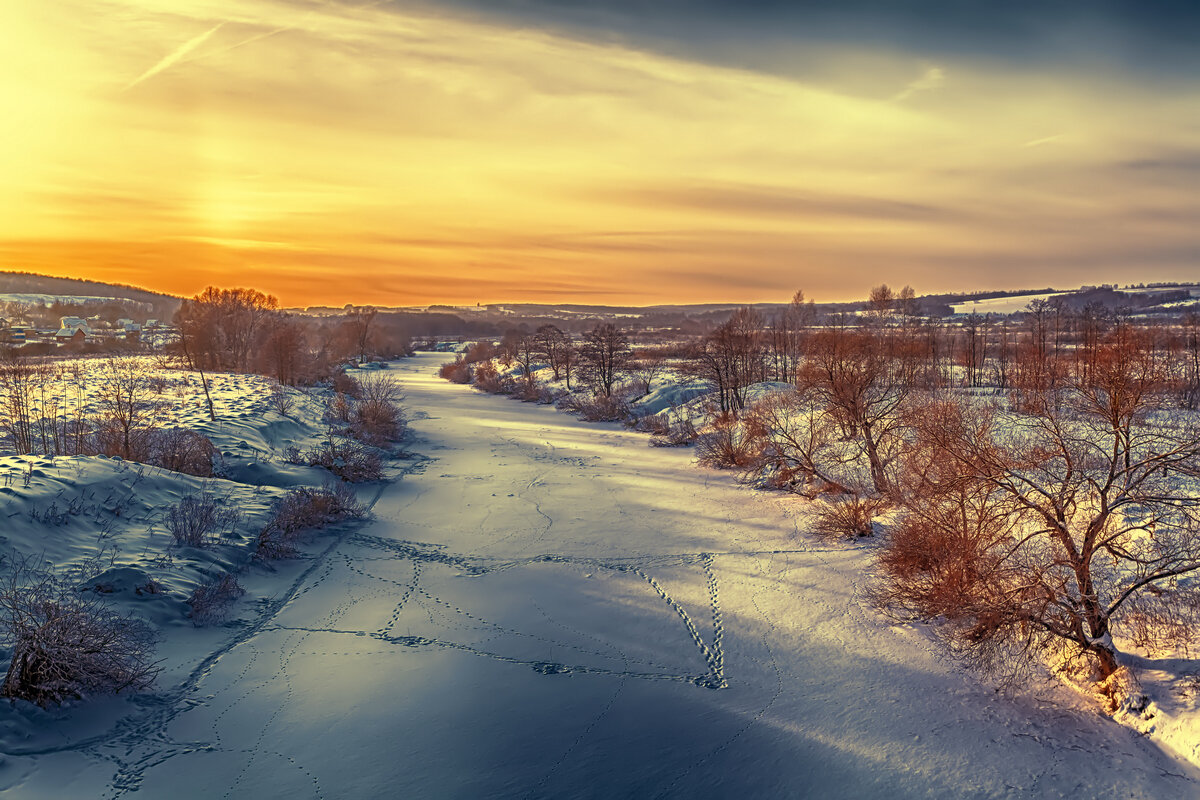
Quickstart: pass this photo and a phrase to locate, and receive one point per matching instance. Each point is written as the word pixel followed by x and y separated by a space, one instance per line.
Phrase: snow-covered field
pixel 554 609
pixel 1001 305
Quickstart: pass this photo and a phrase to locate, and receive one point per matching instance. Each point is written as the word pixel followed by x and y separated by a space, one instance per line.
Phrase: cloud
pixel 175 56
pixel 933 78
pixel 1058 137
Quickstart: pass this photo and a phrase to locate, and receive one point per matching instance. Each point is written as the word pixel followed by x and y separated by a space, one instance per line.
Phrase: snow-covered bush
pixel 376 417
pixel 458 371
pixel 66 643
pixel 601 408
pixel 182 450
pixel 679 433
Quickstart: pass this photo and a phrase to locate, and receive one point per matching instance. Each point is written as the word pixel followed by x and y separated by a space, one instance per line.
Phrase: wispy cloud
pixel 175 56
pixel 933 78
pixel 1058 137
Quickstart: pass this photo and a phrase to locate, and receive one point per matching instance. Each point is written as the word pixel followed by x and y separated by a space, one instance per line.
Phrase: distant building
pixel 67 335
pixel 73 323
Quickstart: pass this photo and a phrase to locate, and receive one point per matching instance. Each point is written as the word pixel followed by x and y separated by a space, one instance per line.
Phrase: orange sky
pixel 372 154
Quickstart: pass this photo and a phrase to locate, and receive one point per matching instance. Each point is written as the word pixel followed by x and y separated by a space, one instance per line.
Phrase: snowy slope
pixel 553 609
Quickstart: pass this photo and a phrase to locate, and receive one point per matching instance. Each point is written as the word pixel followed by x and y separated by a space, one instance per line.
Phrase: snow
pixel 25 298
pixel 1001 305
pixel 542 609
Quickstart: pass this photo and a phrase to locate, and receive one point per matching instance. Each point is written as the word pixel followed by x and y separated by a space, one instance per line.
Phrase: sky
pixel 611 151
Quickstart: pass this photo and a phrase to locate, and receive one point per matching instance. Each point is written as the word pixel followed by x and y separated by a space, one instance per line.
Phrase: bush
pixel 181 450
pixel 67 644
pixel 199 520
pixel 210 602
pixel 488 379
pixel 456 371
pixel 478 352
pixel 347 385
pixel 725 446
pixel 281 399
pixel 303 509
pixel 600 408
pixel 349 460
pixel 679 433
pixel 377 418
pixel 852 518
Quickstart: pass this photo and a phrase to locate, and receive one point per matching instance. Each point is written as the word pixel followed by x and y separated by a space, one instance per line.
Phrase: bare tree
pixel 127 407
pixel 16 399
pixel 851 375
pixel 219 328
pixel 1035 531
pixel 554 345
pixel 358 329
pixel 881 301
pixel 603 357
pixel 645 366
pixel 732 358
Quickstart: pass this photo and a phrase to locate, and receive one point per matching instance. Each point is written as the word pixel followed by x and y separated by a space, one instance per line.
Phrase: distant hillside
pixel 163 305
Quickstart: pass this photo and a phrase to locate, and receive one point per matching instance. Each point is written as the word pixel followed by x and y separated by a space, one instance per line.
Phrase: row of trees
pixel 243 330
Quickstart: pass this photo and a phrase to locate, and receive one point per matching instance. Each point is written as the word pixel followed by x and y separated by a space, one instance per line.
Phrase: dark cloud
pixel 1156 36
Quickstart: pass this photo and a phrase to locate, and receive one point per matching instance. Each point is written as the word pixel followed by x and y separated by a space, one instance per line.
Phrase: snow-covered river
pixel 555 609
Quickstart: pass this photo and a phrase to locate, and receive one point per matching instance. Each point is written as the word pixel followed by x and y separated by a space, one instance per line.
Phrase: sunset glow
pixel 393 154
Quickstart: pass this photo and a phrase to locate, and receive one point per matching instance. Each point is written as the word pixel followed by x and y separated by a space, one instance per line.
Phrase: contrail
pixel 176 55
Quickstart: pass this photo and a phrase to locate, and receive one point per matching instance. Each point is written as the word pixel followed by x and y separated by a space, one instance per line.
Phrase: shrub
pixel 602 409
pixel 488 379
pixel 181 450
pixel 654 424
pixel 210 601
pixel 67 644
pixel 349 460
pixel 303 509
pixel 679 433
pixel 458 371
pixel 339 409
pixel 347 385
pixel 377 418
pixel 199 520
pixel 852 518
pixel 725 446
pixel 478 352
pixel 281 399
